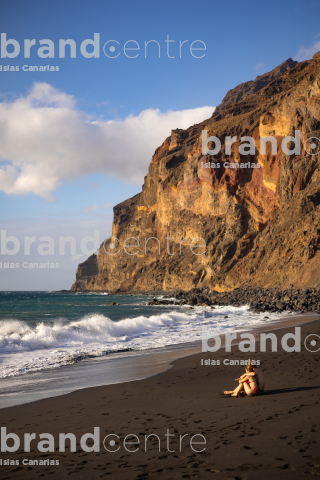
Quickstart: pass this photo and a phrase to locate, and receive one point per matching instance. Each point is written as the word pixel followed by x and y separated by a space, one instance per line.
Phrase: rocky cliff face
pixel 261 225
pixel 248 88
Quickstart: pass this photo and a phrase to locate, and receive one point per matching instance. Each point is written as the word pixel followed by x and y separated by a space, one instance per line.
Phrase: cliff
pixel 248 88
pixel 261 225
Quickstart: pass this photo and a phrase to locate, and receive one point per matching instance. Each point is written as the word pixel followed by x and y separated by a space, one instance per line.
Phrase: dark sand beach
pixel 274 435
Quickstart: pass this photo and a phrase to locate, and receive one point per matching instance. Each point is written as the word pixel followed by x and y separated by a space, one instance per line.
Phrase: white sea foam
pixel 24 348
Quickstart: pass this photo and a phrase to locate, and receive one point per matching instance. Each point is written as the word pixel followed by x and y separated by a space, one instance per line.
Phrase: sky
pixel 77 140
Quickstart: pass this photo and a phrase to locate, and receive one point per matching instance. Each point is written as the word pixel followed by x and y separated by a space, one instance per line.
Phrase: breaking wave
pixel 25 348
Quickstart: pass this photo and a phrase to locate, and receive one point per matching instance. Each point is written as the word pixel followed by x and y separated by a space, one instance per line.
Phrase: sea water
pixel 47 330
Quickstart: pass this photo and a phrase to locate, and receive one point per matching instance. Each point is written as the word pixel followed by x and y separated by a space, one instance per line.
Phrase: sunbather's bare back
pixel 260 379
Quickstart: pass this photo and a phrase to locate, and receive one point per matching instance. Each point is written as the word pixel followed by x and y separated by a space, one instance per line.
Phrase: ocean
pixel 41 331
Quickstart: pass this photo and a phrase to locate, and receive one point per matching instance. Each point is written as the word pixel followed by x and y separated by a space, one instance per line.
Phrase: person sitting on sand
pixel 247 383
pixel 259 378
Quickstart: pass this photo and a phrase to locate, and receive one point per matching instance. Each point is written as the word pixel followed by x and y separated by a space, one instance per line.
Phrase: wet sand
pixel 105 371
pixel 113 368
pixel 275 435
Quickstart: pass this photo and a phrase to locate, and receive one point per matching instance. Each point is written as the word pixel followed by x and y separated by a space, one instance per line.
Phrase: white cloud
pixel 96 208
pixel 44 139
pixel 79 256
pixel 307 53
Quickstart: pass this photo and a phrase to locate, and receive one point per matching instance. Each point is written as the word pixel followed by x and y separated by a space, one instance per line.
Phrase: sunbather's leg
pixel 236 391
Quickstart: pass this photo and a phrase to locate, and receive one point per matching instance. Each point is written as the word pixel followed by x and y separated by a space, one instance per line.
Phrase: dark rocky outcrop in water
pixel 261 225
pixel 260 300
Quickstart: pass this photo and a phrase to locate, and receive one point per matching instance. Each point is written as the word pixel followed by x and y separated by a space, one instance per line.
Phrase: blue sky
pixel 242 41
pixel 238 38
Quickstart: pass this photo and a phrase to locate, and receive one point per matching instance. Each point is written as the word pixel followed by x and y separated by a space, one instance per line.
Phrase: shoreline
pixel 274 434
pixel 116 369
pixel 99 372
pixel 259 299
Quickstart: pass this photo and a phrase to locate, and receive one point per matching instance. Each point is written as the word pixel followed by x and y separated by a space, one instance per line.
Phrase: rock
pixel 261 225
pixel 280 306
pixel 248 88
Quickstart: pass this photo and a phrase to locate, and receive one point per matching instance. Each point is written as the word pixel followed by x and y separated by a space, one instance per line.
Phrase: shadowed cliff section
pixel 261 225
pixel 248 88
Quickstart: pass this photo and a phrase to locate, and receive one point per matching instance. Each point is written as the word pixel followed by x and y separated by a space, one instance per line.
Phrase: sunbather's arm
pixel 242 376
pixel 243 379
